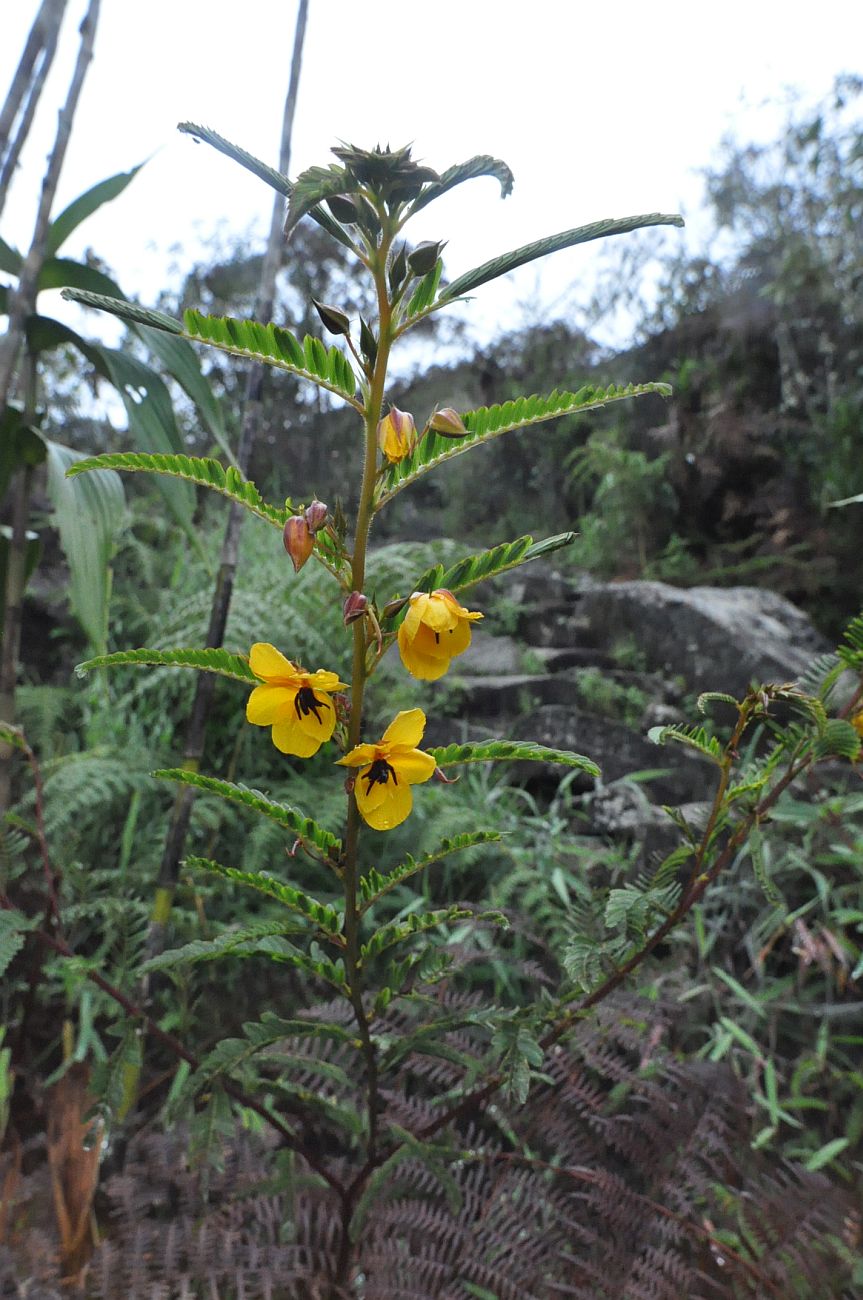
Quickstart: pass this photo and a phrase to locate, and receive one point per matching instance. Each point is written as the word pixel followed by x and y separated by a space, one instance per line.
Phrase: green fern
pixel 552 244
pixel 692 737
pixel 489 564
pixel 488 422
pixel 374 885
pixel 511 751
pixel 274 346
pixel 308 831
pixel 327 919
pixel 480 165
pixel 196 469
pixel 208 661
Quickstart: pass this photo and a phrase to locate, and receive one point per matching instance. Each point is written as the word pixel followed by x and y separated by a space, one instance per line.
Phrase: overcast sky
pixel 600 111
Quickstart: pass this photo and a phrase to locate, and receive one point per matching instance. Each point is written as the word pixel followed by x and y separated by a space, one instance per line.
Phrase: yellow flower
pixel 294 703
pixel 857 722
pixel 389 769
pixel 436 628
pixel 397 435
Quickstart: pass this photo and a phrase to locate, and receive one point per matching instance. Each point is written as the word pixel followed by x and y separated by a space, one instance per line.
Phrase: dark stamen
pixel 307 702
pixel 380 772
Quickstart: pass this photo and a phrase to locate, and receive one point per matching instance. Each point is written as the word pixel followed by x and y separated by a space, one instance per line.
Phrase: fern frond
pixel 374 885
pixel 692 737
pixel 511 751
pixel 489 564
pixel 207 661
pixel 326 918
pixel 480 165
pixel 304 828
pixel 275 346
pixel 204 471
pixel 488 422
pixel 507 262
pixel 124 310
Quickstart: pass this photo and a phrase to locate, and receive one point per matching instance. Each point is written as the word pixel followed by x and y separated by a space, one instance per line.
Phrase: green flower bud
pixel 343 209
pixel 368 342
pixel 425 255
pixel 331 318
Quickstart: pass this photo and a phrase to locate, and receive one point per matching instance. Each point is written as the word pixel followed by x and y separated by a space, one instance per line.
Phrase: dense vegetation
pixel 675 1104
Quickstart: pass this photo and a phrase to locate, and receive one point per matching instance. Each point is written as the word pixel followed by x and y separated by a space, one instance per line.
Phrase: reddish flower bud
pixel 315 515
pixel 299 541
pixel 448 423
pixel 355 607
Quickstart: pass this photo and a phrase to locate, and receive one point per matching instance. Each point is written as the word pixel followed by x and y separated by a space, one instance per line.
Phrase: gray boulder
pixel 715 638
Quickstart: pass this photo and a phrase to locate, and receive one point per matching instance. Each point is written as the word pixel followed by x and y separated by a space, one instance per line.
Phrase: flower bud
pixel 425 255
pixel 397 435
pixel 332 319
pixel 315 516
pixel 398 270
pixel 355 607
pixel 299 541
pixel 368 342
pixel 448 423
pixel 343 209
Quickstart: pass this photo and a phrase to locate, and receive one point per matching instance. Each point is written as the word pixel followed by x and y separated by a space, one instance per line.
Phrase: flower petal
pixel 423 657
pixel 266 661
pixel 321 725
pixel 289 737
pixel 391 810
pixel 406 728
pixel 414 617
pixel 322 680
pixel 359 756
pixel 267 704
pixel 412 765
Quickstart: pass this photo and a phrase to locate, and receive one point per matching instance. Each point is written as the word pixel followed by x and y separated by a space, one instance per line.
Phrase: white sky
pixel 600 111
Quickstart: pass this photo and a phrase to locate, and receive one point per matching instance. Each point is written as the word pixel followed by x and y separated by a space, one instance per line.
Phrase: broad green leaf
pixel 84 206
pixel 11 260
pixel 267 938
pixel 491 421
pixel 274 346
pixel 322 915
pixel 128 311
pixel 303 827
pixel 151 421
pixel 374 885
pixel 413 924
pixel 480 165
pixel 64 272
pixel 511 751
pixel 264 172
pixel 203 471
pixel 552 244
pixel 207 661
pixel 88 516
pixel 488 564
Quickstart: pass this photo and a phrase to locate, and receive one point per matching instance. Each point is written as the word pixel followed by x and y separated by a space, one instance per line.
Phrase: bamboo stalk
pixel 27 86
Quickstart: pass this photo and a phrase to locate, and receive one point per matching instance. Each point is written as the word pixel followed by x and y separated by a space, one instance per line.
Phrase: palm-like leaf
pixel 84 206
pixel 488 422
